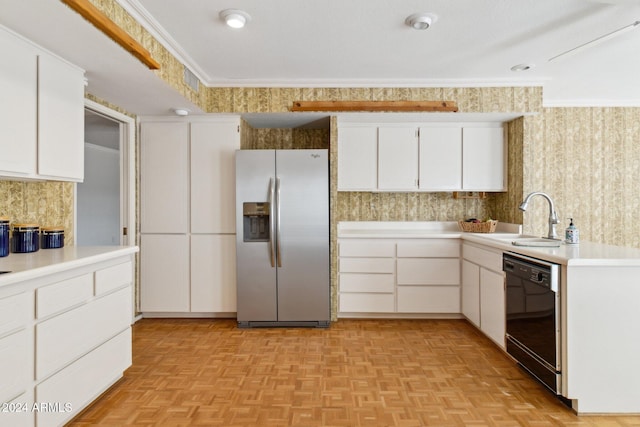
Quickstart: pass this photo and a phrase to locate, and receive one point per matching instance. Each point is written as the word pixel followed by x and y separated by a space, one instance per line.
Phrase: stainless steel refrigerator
pixel 282 238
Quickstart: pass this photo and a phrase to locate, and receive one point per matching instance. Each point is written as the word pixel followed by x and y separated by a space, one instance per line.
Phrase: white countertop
pixel 48 261
pixel 582 254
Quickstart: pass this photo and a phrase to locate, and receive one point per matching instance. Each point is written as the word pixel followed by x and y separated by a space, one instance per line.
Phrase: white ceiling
pixel 354 43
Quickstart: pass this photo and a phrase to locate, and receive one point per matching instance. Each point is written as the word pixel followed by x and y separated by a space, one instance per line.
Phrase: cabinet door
pixel 14 365
pixel 492 305
pixel 471 292
pixel 164 273
pixel 213 273
pixel 213 147
pixel 397 158
pixel 164 177
pixel 441 158
pixel 483 161
pixel 18 107
pixel 357 158
pixel 60 119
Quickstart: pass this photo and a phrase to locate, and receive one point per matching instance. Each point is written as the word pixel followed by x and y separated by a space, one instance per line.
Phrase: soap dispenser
pixel 571 234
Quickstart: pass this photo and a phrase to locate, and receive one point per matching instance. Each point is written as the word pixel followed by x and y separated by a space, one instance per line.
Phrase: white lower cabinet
pixel 483 295
pixel 16 341
pixel 14 367
pixel 492 305
pixel 56 359
pixel 471 292
pixel 428 276
pixel 69 335
pixel 76 385
pixel 419 276
pixel 367 276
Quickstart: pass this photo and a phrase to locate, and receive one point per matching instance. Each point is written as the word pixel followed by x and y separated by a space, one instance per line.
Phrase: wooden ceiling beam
pixel 391 106
pixel 113 31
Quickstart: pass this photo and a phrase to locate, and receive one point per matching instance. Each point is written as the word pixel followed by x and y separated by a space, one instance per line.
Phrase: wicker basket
pixel 478 227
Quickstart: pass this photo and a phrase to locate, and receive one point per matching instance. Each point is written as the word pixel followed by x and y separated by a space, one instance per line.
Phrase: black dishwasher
pixel 533 316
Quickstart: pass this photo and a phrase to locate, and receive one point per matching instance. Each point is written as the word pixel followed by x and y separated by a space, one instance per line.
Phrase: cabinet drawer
pixel 111 278
pixel 366 303
pixel 23 417
pixel 484 257
pixel 15 311
pixel 68 336
pixel 431 248
pixel 62 295
pixel 368 248
pixel 359 282
pixel 428 271
pixel 367 265
pixel 13 365
pixel 428 299
pixel 81 382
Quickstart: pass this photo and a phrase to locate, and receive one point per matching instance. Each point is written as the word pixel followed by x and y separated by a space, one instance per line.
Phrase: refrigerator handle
pixel 278 252
pixel 271 223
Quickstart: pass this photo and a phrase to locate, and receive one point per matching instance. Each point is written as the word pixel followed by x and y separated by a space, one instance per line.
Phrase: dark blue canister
pixel 25 238
pixel 4 236
pixel 52 237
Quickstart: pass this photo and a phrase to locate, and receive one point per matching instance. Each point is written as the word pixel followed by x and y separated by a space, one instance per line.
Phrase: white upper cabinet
pixel 441 158
pixel 60 119
pixel 483 159
pixel 438 156
pixel 164 176
pixel 357 158
pixel 397 158
pixel 213 148
pixel 41 113
pixel 18 107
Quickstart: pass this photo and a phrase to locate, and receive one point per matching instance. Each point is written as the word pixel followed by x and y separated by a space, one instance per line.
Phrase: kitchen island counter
pixel 65 329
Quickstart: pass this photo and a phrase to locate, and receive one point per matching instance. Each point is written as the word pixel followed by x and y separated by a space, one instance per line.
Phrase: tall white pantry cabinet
pixel 187 203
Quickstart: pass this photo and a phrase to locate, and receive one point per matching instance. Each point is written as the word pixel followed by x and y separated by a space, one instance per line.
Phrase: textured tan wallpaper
pixel 588 160
pixel 504 206
pixel 283 139
pixel 43 203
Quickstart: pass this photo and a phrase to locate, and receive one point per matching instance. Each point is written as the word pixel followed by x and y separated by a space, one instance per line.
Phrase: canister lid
pixel 26 225
pixel 52 229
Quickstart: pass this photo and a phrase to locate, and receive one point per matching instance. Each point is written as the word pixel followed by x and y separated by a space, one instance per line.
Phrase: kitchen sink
pixel 536 241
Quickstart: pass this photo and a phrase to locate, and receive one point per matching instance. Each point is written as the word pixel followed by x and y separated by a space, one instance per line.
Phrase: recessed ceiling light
pixel 421 21
pixel 522 67
pixel 235 18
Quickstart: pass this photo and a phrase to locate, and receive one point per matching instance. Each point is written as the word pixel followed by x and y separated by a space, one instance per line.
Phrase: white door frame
pixel 127 172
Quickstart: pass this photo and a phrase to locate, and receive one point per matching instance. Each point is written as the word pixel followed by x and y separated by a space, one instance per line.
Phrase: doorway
pixel 105 201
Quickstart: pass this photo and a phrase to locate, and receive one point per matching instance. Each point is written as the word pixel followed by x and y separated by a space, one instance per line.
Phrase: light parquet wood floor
pixel 356 373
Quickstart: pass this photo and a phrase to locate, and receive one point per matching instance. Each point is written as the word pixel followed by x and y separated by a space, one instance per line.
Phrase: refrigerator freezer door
pixel 256 277
pixel 303 278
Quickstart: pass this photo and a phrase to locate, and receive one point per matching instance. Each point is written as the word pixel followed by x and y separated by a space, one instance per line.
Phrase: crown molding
pixel 149 23
pixel 590 103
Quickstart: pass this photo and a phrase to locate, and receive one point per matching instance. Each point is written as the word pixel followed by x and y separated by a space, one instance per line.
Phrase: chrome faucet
pixel 553 216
